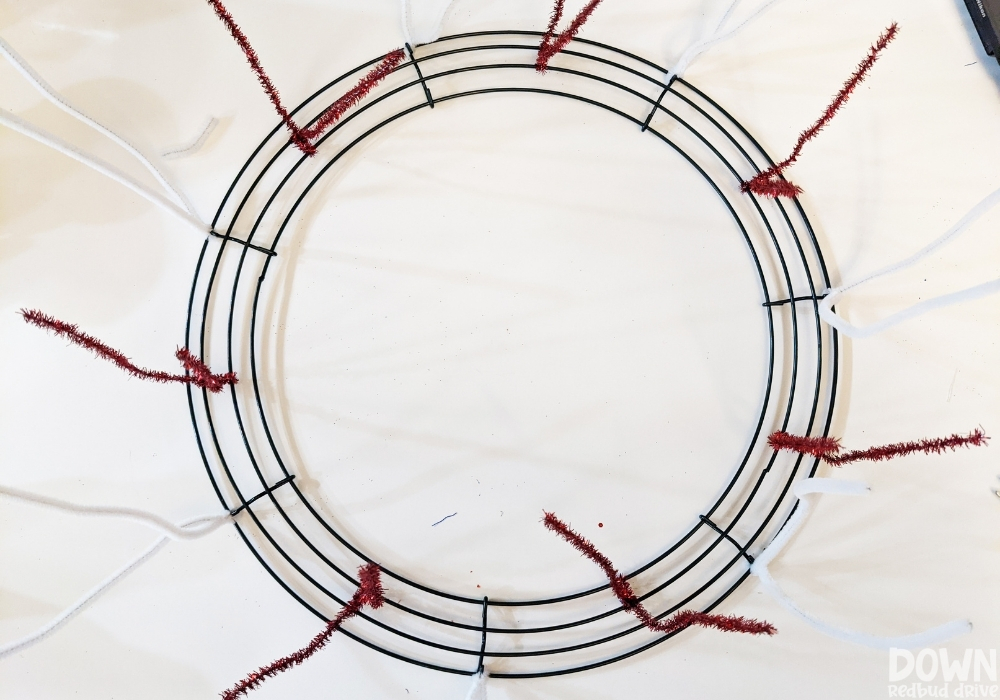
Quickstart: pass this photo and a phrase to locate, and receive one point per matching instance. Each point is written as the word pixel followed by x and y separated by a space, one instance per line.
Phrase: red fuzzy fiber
pixel 335 111
pixel 769 183
pixel 369 593
pixel 623 591
pixel 303 138
pixel 828 449
pixel 552 43
pixel 198 373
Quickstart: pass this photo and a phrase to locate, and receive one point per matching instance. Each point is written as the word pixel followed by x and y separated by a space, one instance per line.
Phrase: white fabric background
pixel 457 230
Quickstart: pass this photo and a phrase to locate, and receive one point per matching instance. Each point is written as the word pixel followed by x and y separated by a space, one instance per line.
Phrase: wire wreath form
pixel 313 561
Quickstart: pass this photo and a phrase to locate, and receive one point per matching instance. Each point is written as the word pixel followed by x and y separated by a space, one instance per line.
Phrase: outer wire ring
pixel 304 585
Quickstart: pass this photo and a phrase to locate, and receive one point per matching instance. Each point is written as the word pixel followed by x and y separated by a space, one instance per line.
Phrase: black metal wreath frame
pixel 204 413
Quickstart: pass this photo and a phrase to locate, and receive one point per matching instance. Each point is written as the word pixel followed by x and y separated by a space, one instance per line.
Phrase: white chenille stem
pixel 198 142
pixel 435 28
pixel 432 32
pixel 47 91
pixel 699 47
pixel 692 51
pixel 404 7
pixel 828 315
pixel 927 638
pixel 92 595
pixel 477 691
pixel 164 526
pixel 14 122
pixel 979 291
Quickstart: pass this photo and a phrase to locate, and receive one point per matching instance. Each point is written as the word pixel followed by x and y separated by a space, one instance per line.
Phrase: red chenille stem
pixel 554 19
pixel 828 449
pixel 623 591
pixel 199 373
pixel 769 183
pixel 553 43
pixel 815 446
pixel 335 111
pixel 369 593
pixel 265 82
pixel 303 138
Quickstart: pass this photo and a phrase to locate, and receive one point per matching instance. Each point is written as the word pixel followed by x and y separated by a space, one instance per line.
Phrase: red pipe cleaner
pixel 199 373
pixel 623 591
pixel 335 111
pixel 769 183
pixel 828 449
pixel 302 138
pixel 369 593
pixel 552 43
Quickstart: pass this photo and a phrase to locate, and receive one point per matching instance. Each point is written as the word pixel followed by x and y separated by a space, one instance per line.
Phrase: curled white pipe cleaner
pixel 717 36
pixel 94 593
pixel 198 142
pixel 979 291
pixel 49 93
pixel 759 568
pixel 14 122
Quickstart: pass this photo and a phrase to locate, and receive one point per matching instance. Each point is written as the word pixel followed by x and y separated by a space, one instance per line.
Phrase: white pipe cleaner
pixel 14 122
pixel 167 528
pixel 759 568
pixel 477 691
pixel 197 143
pixel 47 91
pixel 979 291
pixel 80 605
pixel 717 36
pixel 189 529
pixel 424 33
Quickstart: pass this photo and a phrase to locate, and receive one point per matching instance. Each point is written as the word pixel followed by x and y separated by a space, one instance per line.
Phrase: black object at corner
pixel 985 15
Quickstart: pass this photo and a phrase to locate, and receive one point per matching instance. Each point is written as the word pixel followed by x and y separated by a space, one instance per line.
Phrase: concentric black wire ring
pixel 438 629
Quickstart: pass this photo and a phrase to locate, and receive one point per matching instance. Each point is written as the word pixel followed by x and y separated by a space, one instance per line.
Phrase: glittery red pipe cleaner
pixel 369 593
pixel 553 44
pixel 199 373
pixel 828 449
pixel 335 111
pixel 769 183
pixel 623 591
pixel 302 138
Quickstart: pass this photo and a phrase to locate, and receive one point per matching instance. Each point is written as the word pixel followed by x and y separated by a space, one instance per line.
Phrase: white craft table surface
pixel 498 308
